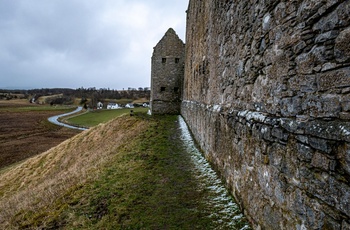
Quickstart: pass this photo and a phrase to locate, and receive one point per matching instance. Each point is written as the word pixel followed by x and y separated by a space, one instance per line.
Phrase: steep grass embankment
pixel 30 191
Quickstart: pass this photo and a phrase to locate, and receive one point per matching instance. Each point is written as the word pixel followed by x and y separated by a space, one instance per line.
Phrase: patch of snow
pixel 216 108
pixel 263 130
pixel 225 210
pixel 242 113
pixel 295 181
pixel 344 131
pixel 266 174
pixel 256 116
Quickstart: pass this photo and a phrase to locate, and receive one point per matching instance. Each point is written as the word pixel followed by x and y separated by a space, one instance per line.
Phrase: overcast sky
pixel 83 43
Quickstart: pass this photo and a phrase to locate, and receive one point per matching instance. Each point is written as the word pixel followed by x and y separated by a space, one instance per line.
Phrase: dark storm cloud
pixel 73 43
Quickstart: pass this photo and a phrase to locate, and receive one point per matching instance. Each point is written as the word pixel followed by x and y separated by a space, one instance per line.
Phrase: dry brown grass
pixel 37 182
pixel 141 100
pixel 44 99
pixel 16 102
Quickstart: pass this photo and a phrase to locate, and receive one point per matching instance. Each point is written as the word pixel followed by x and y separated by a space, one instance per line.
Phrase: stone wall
pixel 167 74
pixel 267 97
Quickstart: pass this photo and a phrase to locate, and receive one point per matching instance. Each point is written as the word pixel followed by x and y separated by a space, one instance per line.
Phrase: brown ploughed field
pixel 25 130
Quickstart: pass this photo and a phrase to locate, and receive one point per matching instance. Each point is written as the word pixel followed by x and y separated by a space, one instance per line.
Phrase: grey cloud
pixel 69 43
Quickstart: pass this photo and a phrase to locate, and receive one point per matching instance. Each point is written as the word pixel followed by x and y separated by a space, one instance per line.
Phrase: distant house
pixel 129 106
pixel 113 106
pixel 99 105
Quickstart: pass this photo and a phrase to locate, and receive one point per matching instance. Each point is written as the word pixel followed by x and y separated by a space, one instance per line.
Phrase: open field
pixel 129 173
pixel 96 117
pixel 25 131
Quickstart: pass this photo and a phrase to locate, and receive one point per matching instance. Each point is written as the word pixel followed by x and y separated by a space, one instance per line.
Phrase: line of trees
pixel 91 93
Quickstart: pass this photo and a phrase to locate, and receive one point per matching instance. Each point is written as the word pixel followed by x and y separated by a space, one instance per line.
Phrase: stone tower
pixel 167 74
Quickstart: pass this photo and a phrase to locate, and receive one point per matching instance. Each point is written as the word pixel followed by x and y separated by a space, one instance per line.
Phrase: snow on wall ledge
pixel 267 97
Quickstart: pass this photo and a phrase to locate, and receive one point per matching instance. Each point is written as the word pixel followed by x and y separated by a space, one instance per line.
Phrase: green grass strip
pixel 96 117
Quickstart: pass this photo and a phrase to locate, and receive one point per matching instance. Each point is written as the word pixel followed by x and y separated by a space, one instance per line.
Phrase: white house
pixel 99 105
pixel 129 106
pixel 113 106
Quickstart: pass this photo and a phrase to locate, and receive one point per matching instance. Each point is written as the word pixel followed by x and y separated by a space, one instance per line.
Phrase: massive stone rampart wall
pixel 267 97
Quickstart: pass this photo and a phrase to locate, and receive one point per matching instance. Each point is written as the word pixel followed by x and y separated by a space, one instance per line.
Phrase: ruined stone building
pixel 266 94
pixel 167 74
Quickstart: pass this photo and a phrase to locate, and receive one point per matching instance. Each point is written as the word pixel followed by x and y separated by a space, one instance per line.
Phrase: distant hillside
pixel 81 96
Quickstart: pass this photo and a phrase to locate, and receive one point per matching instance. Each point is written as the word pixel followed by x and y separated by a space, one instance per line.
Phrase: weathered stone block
pixel 320 144
pixel 298 48
pixel 344 115
pixel 307 62
pixel 325 106
pixel 342 46
pixel 328 66
pixel 327 23
pixel 334 79
pixel 345 225
pixel 302 139
pixel 320 161
pixel 272 216
pixel 326 36
pixel 304 83
pixel 266 22
pixel 290 107
pixel 308 8
pixel 332 130
pixel 345 90
pixel 266 133
pixel 331 224
pixel 343 156
pixel 291 125
pixel 304 152
pixel 346 103
pixel 279 134
pixel 314 215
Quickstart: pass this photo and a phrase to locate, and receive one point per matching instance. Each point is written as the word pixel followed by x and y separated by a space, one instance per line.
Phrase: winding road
pixel 55 121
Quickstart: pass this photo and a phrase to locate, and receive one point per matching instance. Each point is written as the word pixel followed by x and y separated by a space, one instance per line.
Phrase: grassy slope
pixel 44 99
pixel 29 189
pixel 126 174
